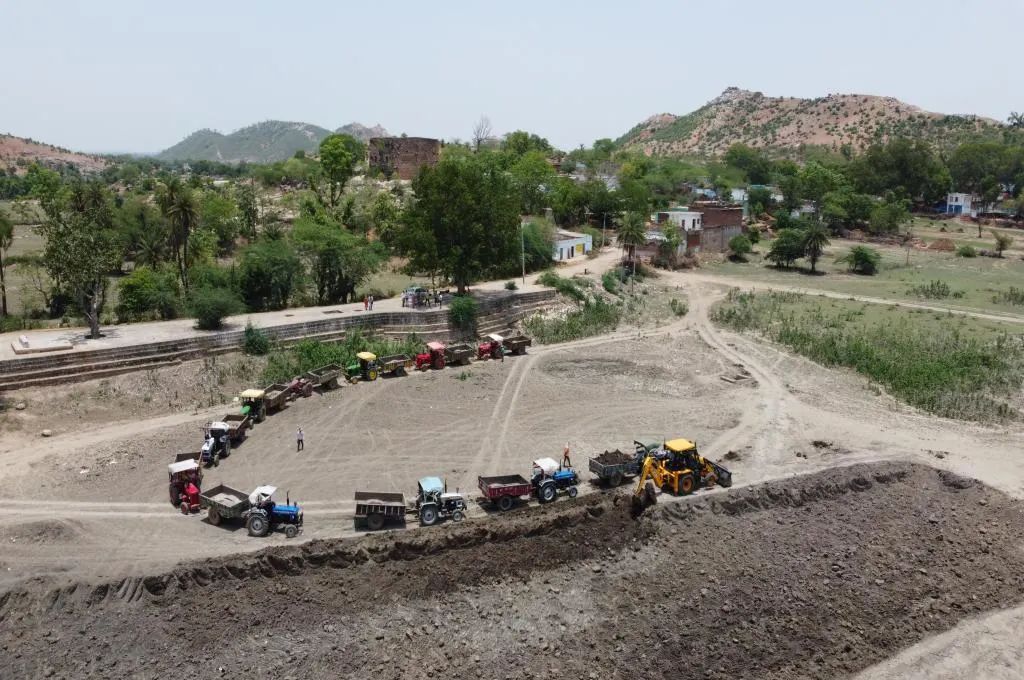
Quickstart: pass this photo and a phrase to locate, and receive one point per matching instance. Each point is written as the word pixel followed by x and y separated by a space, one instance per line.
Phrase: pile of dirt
pixel 817 576
pixel 943 244
pixel 615 457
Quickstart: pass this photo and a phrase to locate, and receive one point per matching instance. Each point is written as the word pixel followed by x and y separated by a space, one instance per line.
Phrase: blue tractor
pixel 549 478
pixel 264 514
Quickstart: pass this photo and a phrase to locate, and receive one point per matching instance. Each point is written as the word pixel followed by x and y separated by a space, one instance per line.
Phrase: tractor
pixel 491 347
pixel 549 478
pixel 432 358
pixel 217 443
pixel 264 514
pixel 254 404
pixel 183 476
pixel 676 468
pixel 364 368
pixel 433 502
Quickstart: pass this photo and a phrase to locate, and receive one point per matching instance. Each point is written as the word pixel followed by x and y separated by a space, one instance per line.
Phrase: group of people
pixel 422 299
pixel 367 303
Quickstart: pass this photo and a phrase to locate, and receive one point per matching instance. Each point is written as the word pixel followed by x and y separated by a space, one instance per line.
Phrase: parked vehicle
pixel 459 354
pixel 517 344
pixel 375 508
pixel 257 510
pixel 325 376
pixel 365 367
pixel 491 347
pixel 549 478
pixel 396 364
pixel 254 404
pixel 614 467
pixel 432 358
pixel 678 469
pixel 300 385
pixel 504 491
pixel 180 475
pixel 238 424
pixel 434 502
pixel 216 444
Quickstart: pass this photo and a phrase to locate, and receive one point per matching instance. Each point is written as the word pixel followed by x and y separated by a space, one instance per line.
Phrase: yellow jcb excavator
pixel 677 469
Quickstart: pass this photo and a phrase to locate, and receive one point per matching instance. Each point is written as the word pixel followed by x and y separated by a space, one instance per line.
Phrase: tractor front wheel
pixel 185 507
pixel 371 375
pixel 291 531
pixel 458 516
pixel 573 491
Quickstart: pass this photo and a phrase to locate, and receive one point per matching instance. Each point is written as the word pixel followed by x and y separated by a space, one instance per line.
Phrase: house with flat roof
pixel 570 245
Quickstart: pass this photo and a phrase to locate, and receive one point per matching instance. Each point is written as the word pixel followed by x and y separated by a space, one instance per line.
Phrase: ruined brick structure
pixel 403 156
pixel 721 222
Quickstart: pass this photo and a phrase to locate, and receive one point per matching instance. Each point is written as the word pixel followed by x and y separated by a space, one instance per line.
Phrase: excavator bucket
pixel 645 499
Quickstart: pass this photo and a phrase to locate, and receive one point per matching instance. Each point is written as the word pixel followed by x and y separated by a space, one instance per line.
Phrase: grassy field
pixel 965 233
pixel 974 283
pixel 942 363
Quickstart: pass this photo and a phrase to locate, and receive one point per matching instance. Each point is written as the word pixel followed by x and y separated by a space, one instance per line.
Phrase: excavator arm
pixel 645 493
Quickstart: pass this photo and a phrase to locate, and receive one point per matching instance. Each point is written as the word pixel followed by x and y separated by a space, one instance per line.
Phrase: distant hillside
pixel 783 123
pixel 266 142
pixel 362 132
pixel 29 151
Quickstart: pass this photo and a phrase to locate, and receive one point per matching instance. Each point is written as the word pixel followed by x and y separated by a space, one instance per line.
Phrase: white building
pixel 569 245
pixel 958 204
pixel 687 220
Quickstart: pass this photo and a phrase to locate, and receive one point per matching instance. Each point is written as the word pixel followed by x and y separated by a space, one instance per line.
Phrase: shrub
pixel 610 280
pixel 754 235
pixel 1003 241
pixel 966 251
pixel 592 318
pixel 1014 296
pixel 511 285
pixel 210 306
pixel 740 246
pixel 145 295
pixel 861 260
pixel 256 341
pixel 679 308
pixel 568 287
pixel 462 313
pixel 933 290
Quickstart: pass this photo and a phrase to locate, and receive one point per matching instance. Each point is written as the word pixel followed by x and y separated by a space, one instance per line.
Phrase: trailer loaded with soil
pixel 374 509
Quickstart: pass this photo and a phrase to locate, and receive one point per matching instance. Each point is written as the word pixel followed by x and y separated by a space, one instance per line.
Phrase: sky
pixel 132 76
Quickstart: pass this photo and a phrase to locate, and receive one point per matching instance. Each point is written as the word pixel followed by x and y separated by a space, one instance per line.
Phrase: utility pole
pixel 604 228
pixel 522 242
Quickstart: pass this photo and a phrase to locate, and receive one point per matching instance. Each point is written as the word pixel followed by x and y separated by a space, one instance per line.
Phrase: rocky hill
pixel 15 151
pixel 266 142
pixel 784 124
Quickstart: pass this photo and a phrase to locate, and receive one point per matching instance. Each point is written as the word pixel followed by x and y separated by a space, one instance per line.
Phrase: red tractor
pixel 185 479
pixel 433 357
pixel 490 347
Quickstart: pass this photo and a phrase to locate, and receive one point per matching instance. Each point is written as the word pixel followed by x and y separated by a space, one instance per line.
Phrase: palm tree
pixel 631 233
pixel 815 240
pixel 152 246
pixel 179 206
pixel 6 238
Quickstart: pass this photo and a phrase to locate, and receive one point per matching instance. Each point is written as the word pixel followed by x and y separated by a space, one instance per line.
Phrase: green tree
pixel 740 247
pixel 755 165
pixel 519 143
pixel 760 201
pixel 179 207
pixel 268 272
pixel 339 155
pixel 568 202
pixel 815 238
pixel 219 215
pixel 464 223
pixel 532 175
pixel 145 295
pixel 6 239
pixel 890 214
pixel 632 233
pixel 337 260
pixel 82 246
pixel 816 181
pixel 248 209
pixel 861 260
pixel 787 247
pixel 1003 241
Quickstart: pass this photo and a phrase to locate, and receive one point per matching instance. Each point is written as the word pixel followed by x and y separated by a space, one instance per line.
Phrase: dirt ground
pixel 89 506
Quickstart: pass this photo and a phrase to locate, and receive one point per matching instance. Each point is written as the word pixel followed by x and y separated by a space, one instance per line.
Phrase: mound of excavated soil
pixel 943 244
pixel 615 457
pixel 816 576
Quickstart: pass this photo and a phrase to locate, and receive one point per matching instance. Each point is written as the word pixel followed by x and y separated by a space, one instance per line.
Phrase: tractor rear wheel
pixel 428 515
pixel 213 517
pixel 505 503
pixel 227 449
pixel 257 525
pixel 439 364
pixel 546 493
pixel 175 498
pixel 291 531
pixel 375 522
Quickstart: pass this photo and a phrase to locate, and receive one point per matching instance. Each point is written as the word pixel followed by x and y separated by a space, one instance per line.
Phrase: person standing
pixel 366 303
pixel 566 462
pixel 371 303
pixel 300 442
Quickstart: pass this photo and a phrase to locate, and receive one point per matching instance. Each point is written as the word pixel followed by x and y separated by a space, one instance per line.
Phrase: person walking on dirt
pixel 366 303
pixel 371 303
pixel 566 462
pixel 300 442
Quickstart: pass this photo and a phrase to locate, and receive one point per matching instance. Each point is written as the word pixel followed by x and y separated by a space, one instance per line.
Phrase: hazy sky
pixel 133 75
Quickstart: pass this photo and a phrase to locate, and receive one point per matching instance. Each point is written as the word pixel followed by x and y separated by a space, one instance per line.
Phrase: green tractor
pixel 254 404
pixel 364 368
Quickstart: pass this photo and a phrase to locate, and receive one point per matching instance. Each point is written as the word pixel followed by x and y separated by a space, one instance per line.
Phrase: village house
pixel 570 244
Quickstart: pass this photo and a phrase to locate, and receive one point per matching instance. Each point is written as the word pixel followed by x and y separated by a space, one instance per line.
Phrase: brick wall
pixel 403 156
pixel 720 215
